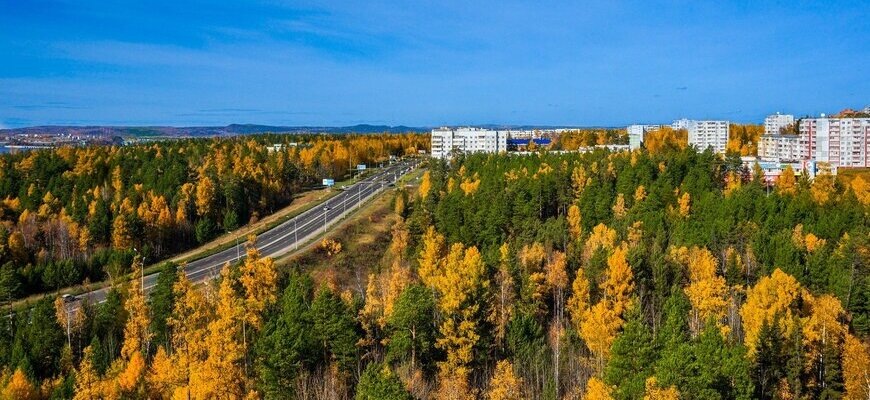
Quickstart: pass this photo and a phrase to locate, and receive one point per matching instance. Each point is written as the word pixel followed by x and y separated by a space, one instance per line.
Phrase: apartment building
pixel 706 134
pixel 636 134
pixel 774 123
pixel 447 142
pixel 681 124
pixel 778 147
pixel 840 142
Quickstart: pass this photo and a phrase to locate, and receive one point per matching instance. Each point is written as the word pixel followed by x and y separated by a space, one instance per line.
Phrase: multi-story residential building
pixel 706 134
pixel 840 142
pixel 636 134
pixel 774 123
pixel 782 148
pixel 446 142
pixel 681 124
pixel 773 169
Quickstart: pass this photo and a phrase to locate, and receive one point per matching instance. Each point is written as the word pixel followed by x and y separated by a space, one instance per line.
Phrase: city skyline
pixel 303 63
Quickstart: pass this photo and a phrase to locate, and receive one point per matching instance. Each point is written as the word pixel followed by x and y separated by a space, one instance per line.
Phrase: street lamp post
pixel 325 210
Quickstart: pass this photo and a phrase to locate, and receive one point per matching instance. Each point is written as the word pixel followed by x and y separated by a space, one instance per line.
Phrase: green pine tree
pixel 379 383
pixel 632 358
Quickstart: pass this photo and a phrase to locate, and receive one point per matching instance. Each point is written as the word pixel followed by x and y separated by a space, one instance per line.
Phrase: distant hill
pixel 229 130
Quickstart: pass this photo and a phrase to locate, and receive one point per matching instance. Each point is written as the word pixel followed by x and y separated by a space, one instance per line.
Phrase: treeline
pixel 575 139
pixel 743 138
pixel 630 275
pixel 581 276
pixel 77 213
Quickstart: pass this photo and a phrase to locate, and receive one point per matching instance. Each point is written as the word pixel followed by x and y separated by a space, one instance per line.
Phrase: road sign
pixel 328 182
pixel 361 167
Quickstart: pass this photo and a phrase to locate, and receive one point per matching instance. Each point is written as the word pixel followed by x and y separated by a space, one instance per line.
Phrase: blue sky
pixel 604 63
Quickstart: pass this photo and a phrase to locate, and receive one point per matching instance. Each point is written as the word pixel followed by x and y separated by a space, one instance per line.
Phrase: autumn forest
pixel 659 273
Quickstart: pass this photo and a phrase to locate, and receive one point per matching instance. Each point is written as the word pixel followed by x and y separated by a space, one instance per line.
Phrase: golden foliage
pixel 684 204
pixel 205 193
pixel 786 183
pixel 458 338
pixel 619 283
pixel 259 279
pixel 861 189
pixel 222 374
pixel 457 281
pixel 330 247
pixel 137 331
pixel 132 374
pixel 575 229
pixel 743 139
pixel 707 291
pixel 797 237
pixel 532 257
pixel 122 236
pixel 20 388
pixel 773 296
pixel 597 390
pixel 400 278
pixel 189 322
pixel 655 392
pixel 162 376
pixel 599 325
pixel 635 233
pixel 856 368
pixel 639 194
pixel 87 381
pixel 430 257
pixel 784 390
pixel 813 243
pixel 598 329
pixel 470 186
pixel 732 182
pixel 664 138
pixel 462 273
pixel 371 315
pixel 505 384
pixel 822 327
pixel 601 237
pixel 453 385
pixel 399 205
pixel 399 241
pixel 577 138
pixel 579 302
pixel 557 276
pixel 579 180
pixel 822 189
pixel 619 206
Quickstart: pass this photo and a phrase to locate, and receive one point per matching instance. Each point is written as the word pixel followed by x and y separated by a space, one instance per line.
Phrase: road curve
pixel 283 238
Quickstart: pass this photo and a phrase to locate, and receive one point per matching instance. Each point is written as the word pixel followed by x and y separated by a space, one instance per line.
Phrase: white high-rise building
pixel 681 124
pixel 705 134
pixel 774 123
pixel 636 134
pixel 841 142
pixel 447 142
pixel 782 148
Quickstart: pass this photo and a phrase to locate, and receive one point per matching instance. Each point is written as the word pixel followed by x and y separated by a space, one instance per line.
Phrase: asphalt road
pixel 285 237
